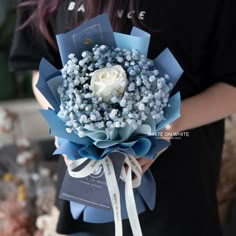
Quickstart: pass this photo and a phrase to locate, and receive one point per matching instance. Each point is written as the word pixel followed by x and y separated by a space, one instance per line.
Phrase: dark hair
pixel 44 8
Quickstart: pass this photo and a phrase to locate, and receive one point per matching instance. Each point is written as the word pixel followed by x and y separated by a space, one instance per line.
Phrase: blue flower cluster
pixel 146 94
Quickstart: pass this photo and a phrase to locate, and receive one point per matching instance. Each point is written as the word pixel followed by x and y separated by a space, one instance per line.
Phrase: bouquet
pixel 109 103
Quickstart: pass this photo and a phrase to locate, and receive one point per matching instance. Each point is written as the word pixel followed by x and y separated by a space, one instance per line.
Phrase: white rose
pixel 109 82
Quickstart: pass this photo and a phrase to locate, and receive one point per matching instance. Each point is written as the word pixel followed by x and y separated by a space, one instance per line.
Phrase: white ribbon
pixel 133 167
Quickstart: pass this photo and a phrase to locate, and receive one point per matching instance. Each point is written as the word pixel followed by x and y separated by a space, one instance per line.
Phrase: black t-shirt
pixel 202 36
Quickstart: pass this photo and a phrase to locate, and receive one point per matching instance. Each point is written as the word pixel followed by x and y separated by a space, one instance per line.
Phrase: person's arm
pixel 39 97
pixel 215 103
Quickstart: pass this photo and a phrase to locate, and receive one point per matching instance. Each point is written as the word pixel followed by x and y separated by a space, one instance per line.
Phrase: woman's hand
pixel 146 163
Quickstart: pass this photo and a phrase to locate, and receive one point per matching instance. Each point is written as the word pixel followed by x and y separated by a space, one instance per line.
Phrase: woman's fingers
pixel 144 163
pixel 66 159
pixel 56 142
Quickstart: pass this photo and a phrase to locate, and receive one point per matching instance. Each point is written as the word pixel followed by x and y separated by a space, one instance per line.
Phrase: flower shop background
pixel 27 168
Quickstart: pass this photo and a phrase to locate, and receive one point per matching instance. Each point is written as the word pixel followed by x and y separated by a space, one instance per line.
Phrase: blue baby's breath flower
pixel 146 94
pixel 131 87
pixel 141 106
pixel 123 102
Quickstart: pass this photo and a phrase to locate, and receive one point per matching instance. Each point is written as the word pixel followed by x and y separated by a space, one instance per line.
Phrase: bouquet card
pixel 91 190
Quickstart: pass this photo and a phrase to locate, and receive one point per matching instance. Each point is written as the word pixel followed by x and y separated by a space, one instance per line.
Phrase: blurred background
pixel 27 167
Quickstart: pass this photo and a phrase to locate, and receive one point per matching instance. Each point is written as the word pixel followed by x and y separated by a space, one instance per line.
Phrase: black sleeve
pixel 28 46
pixel 223 66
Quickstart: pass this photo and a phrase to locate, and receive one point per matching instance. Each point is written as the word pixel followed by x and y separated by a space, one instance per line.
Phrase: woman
pixel 202 36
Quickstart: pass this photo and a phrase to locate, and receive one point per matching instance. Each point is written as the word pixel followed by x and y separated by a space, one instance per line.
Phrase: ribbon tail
pixel 130 202
pixel 114 193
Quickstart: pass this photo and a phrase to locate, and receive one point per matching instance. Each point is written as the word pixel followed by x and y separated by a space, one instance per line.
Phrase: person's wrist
pixel 174 127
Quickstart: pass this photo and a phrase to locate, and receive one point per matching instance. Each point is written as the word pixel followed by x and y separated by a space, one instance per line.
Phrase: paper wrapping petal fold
pixel 167 63
pixel 47 72
pixel 147 147
pixel 96 31
pixel 138 39
pixel 57 128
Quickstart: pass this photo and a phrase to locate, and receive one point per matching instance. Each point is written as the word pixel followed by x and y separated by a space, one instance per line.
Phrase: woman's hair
pixel 43 9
